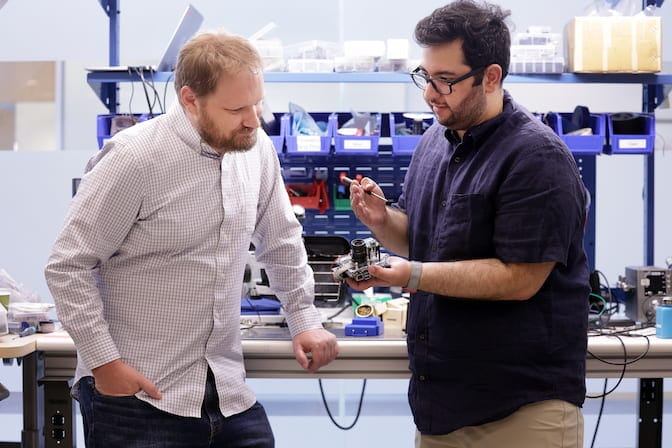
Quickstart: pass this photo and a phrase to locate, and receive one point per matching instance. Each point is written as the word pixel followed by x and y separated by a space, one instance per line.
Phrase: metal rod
pixel 349 181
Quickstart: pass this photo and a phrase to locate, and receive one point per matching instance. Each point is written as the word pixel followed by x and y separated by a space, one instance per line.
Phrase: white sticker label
pixel 356 144
pixel 308 143
pixel 633 143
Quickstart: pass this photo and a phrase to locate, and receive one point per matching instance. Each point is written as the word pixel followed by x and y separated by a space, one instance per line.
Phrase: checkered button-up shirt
pixel 149 264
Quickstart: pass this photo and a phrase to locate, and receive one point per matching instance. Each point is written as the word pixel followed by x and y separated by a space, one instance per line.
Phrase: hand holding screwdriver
pixel 346 180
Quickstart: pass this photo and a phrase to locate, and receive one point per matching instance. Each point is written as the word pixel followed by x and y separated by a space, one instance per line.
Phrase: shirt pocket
pixel 465 228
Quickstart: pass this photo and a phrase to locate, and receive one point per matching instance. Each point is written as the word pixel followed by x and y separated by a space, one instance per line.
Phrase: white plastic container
pixel 30 312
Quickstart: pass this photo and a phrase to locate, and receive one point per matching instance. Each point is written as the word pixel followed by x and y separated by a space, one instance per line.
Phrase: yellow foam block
pixel 614 44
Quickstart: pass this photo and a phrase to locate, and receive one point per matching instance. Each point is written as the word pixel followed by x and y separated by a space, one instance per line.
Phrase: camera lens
pixel 359 254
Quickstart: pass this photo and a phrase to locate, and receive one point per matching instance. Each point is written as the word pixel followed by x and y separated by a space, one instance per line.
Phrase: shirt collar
pixel 185 130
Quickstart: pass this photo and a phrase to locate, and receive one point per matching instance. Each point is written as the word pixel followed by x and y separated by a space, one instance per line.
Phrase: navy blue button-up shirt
pixel 510 190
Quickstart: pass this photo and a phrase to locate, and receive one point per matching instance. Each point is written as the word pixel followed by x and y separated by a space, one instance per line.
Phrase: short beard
pixel 222 143
pixel 468 113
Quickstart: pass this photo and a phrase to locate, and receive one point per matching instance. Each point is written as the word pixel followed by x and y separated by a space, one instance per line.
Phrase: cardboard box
pixel 614 44
pixel 395 315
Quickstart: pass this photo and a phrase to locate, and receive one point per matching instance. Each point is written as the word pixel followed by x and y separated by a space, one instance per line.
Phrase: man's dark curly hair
pixel 481 27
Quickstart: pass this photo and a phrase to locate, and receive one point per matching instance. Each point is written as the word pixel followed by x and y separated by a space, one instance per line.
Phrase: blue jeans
pixel 132 423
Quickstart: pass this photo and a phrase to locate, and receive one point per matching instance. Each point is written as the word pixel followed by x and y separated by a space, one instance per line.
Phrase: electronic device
pixel 188 26
pixel 322 251
pixel 59 412
pixel 645 287
pixel 363 253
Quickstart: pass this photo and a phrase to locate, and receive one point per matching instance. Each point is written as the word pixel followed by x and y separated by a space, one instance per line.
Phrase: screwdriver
pixel 348 181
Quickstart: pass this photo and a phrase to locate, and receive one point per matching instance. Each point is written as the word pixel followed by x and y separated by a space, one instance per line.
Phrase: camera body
pixel 363 253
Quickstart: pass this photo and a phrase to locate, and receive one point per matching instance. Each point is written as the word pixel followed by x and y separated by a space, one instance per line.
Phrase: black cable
pixel 599 414
pixel 607 286
pixel 345 307
pixel 152 85
pixel 608 296
pixel 359 407
pixel 625 363
pixel 138 71
pixel 603 396
pixel 165 87
pixel 130 100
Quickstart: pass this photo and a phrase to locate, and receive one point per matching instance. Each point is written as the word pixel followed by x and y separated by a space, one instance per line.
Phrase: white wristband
pixel 414 279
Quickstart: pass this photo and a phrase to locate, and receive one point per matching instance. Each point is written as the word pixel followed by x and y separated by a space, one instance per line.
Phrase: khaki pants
pixel 546 424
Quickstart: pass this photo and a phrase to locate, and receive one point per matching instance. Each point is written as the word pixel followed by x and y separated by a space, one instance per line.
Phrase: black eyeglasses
pixel 441 85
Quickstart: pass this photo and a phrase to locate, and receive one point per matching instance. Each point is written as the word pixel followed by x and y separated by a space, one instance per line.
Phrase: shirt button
pixel 443 203
pixel 457 159
pixel 422 378
pixel 422 337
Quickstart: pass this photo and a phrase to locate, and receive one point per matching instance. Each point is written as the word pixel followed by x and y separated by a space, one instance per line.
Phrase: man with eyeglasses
pixel 491 223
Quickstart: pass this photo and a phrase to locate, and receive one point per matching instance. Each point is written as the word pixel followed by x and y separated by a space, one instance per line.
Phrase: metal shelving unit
pixel 105 84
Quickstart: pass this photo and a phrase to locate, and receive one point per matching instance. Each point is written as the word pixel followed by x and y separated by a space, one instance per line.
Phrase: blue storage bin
pixel 405 144
pixel 308 145
pixel 104 125
pixel 320 223
pixel 362 145
pixel 385 174
pixel 276 131
pixel 583 144
pixel 632 143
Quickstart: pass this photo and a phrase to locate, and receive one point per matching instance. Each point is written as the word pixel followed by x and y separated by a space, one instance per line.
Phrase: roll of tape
pixel 364 310
pixel 628 123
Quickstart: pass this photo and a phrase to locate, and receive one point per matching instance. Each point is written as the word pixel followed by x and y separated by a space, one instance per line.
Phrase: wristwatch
pixel 414 279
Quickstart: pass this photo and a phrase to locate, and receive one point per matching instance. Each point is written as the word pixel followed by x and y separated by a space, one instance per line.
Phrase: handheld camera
pixel 363 253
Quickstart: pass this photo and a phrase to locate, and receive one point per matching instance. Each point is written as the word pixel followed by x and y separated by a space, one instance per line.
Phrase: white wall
pixel 34 195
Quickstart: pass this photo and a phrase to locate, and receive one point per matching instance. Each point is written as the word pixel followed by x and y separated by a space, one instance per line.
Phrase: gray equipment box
pixel 647 286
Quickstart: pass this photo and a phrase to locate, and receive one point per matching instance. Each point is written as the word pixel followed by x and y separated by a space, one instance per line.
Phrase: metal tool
pixel 348 181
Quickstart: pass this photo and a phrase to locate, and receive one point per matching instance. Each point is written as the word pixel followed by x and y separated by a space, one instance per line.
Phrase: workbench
pixel 49 362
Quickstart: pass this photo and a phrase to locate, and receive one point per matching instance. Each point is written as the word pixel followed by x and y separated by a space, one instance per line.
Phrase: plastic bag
pixel 303 123
pixel 604 8
pixel 29 312
pixel 17 291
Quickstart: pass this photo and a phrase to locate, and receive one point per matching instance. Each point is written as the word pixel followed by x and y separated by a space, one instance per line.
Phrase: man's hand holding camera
pixel 397 274
pixel 385 222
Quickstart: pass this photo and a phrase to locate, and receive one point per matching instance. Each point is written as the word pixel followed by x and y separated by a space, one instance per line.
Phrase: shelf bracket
pixel 654 95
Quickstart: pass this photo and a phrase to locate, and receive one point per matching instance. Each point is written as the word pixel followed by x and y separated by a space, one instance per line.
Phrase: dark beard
pixel 469 113
pixel 224 144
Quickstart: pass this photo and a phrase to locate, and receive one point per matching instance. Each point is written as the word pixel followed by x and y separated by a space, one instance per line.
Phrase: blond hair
pixel 209 55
